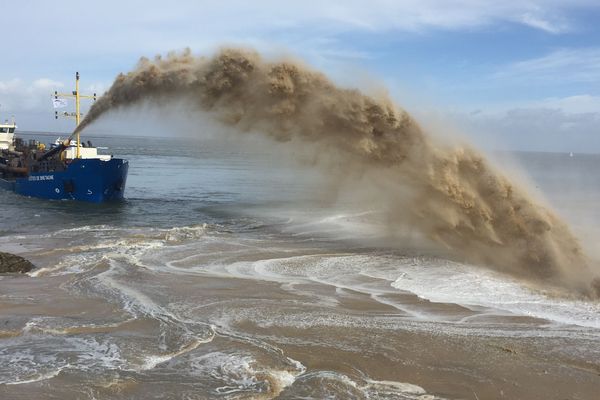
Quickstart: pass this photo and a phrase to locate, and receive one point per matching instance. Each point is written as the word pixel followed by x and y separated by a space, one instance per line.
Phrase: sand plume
pixel 456 197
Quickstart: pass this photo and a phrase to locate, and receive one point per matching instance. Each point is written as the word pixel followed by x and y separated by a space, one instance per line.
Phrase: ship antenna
pixel 77 114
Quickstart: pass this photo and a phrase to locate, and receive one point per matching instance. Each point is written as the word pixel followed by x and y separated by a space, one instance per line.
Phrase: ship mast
pixel 77 114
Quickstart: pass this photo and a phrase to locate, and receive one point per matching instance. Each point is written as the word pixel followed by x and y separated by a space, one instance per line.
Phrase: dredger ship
pixel 65 170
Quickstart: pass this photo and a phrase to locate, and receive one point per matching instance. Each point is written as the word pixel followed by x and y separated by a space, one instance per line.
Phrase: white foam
pixel 136 244
pixel 429 278
pixel 178 234
pixel 152 361
pixel 402 387
pixel 369 388
pixel 446 282
pixel 57 326
pixel 38 378
pixel 341 225
pixel 240 372
pixel 33 358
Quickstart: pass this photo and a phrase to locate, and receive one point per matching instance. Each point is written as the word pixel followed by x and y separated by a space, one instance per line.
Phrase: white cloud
pixel 9 86
pixel 538 22
pixel 30 101
pixel 578 104
pixel 151 26
pixel 109 36
pixel 417 15
pixel 564 65
pixel 17 94
pixel 46 84
pixel 554 124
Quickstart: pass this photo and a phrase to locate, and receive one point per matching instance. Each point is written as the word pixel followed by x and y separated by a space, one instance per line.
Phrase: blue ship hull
pixel 91 180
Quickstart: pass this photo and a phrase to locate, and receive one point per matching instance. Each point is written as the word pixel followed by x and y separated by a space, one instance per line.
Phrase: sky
pixel 521 75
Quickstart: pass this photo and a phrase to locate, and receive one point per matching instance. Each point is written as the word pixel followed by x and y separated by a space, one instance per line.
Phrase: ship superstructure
pixel 7 134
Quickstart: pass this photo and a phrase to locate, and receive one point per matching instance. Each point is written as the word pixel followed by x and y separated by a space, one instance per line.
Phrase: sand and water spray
pixel 451 194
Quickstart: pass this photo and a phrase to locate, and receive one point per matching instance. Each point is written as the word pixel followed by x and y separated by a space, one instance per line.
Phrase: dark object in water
pixel 10 263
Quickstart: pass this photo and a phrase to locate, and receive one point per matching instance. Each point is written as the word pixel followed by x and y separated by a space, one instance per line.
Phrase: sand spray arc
pixel 456 197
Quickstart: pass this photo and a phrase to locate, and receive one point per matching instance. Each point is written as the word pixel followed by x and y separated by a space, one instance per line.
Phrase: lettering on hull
pixel 41 178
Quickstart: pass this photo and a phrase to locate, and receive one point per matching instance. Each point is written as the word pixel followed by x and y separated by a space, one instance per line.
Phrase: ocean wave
pixel 446 282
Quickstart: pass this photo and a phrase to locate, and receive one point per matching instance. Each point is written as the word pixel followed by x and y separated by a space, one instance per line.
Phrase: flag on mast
pixel 59 103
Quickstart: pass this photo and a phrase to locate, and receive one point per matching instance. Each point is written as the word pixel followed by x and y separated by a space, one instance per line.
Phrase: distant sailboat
pixel 571 154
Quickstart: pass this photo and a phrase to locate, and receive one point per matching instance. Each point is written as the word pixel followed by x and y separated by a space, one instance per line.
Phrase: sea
pixel 228 275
